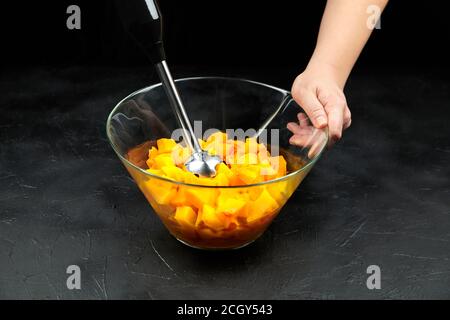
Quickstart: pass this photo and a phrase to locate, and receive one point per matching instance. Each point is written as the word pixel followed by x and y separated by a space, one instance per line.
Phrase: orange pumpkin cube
pixel 200 196
pixel 173 173
pixel 262 206
pixel 165 145
pixel 213 219
pixel 185 216
pixel 163 160
pixel 228 205
pixel 161 192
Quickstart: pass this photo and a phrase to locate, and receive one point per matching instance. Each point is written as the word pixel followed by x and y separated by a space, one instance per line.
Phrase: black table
pixel 380 197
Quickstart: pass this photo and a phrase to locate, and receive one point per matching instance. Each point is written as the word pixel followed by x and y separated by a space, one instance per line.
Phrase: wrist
pixel 328 69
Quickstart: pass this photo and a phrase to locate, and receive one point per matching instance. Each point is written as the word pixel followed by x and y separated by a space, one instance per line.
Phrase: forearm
pixel 343 33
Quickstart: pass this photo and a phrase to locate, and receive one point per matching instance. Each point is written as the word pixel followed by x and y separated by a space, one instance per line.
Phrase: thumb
pixel 313 108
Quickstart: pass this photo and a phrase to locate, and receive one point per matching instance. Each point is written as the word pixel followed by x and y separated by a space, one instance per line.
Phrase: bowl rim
pixel 145 172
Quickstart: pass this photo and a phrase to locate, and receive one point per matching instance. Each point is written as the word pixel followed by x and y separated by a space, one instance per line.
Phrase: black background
pixel 413 34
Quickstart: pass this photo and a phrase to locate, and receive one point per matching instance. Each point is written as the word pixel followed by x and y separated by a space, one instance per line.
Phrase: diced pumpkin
pixel 163 160
pixel 216 148
pixel 239 193
pixel 223 168
pixel 279 164
pixel 263 156
pixel 165 145
pixel 278 191
pixel 185 216
pixel 206 181
pixel 229 156
pixel 207 234
pixel 247 159
pixel 213 219
pixel 173 173
pixel 201 142
pixel 156 172
pixel 229 206
pixel 267 171
pixel 249 174
pixel 239 147
pixel 251 146
pixel 255 192
pixel 190 178
pixel 180 155
pixel 262 206
pixel 221 179
pixel 161 192
pixel 181 198
pixel 152 153
pixel 218 136
pixel 200 196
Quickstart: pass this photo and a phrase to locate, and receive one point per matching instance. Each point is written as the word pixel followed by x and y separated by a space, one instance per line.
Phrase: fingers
pixel 312 106
pixel 324 104
pixel 299 140
pixel 311 141
pixel 335 123
pixel 347 118
pixel 303 120
pixel 338 114
pixel 299 129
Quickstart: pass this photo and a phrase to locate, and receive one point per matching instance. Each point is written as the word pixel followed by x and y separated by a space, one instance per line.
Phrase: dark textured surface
pixel 381 196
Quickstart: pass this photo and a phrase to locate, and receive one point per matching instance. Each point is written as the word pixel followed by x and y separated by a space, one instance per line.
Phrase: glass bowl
pixel 145 116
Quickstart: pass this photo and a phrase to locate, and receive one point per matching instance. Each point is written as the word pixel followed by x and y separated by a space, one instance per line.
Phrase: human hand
pixel 319 92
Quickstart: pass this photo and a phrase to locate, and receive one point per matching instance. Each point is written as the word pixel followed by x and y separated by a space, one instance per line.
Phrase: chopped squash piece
pixel 163 160
pixel 181 198
pixel 173 173
pixel 251 146
pixel 206 181
pixel 212 219
pixel 221 179
pixel 165 145
pixel 185 216
pixel 200 196
pixel 156 172
pixel 180 155
pixel 221 137
pixel 160 191
pixel 255 192
pixel 152 153
pixel 223 168
pixel 278 191
pixel 279 164
pixel 247 159
pixel 249 174
pixel 262 206
pixel 230 206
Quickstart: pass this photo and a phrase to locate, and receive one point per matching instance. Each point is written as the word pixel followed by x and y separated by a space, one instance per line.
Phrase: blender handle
pixel 143 20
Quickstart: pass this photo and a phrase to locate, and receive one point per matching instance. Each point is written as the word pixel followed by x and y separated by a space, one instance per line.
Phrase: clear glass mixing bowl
pixel 145 116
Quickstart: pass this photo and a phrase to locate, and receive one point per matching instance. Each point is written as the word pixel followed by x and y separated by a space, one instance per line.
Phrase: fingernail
pixel 321 121
pixel 336 137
